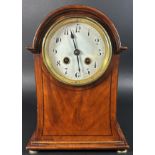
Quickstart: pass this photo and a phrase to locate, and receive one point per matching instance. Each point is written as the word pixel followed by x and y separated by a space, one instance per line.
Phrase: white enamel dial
pixel 77 51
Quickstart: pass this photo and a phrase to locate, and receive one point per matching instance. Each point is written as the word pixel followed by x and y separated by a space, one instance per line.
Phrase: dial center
pixel 76 52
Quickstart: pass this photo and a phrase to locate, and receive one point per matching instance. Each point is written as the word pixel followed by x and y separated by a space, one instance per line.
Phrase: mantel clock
pixel 76 55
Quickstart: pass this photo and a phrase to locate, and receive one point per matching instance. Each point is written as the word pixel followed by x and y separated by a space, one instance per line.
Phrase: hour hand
pixel 72 35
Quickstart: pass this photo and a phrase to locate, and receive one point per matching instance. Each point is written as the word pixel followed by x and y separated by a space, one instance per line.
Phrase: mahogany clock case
pixel 124 104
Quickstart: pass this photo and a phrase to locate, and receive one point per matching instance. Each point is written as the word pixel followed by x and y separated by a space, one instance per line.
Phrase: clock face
pixel 76 50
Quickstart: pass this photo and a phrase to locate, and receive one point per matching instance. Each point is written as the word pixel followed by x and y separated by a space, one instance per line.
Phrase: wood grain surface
pixel 70 117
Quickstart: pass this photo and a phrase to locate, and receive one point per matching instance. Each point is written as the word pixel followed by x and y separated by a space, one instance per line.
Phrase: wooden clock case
pixel 71 117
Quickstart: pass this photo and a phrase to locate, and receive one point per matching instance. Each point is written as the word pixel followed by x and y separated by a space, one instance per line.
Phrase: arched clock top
pixel 76 10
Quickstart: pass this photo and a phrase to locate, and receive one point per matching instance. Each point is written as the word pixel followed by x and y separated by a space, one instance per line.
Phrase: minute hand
pixel 78 62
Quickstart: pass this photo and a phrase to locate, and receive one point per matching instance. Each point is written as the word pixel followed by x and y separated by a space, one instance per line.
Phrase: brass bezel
pixel 108 48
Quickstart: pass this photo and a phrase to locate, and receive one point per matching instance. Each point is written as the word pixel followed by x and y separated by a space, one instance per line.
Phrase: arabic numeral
pixel 58 40
pixel 100 52
pixel 97 40
pixel 88 32
pixel 66 32
pixel 78 28
pixel 66 71
pixel 58 63
pixel 95 65
pixel 55 51
pixel 88 71
pixel 77 74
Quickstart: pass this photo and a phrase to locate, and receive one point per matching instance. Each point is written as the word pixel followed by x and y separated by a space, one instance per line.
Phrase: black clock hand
pixel 76 52
pixel 72 36
pixel 78 62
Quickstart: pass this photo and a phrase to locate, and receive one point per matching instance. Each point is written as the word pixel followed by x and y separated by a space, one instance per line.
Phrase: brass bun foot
pixel 33 152
pixel 122 151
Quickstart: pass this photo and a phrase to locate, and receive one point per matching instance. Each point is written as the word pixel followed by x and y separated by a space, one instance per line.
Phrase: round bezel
pixel 71 19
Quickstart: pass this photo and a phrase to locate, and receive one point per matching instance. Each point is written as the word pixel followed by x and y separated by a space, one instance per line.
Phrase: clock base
pixel 105 143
